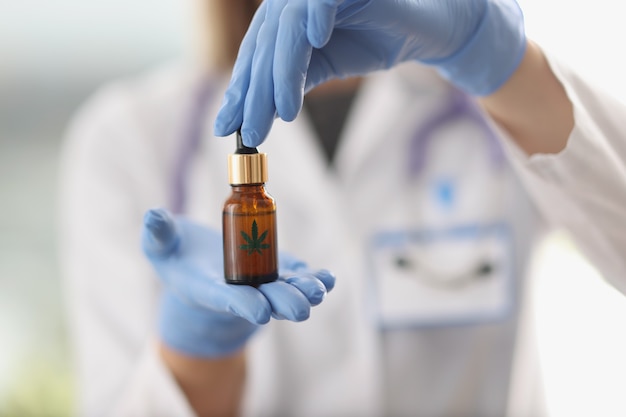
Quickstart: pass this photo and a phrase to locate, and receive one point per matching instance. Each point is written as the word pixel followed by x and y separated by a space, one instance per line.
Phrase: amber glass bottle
pixel 249 221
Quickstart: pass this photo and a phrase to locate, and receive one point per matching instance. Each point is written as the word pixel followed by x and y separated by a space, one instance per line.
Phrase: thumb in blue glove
pixel 200 314
pixel 294 45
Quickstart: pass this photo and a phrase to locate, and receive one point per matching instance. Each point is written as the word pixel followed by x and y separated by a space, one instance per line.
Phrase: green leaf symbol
pixel 254 242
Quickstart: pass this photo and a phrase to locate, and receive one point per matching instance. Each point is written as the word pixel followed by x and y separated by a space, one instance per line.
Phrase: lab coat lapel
pixel 370 121
pixel 311 203
pixel 296 166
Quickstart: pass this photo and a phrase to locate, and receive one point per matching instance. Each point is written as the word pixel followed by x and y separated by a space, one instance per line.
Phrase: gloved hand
pixel 294 45
pixel 200 314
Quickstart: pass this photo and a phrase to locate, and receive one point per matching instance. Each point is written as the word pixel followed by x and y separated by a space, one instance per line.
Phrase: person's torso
pixel 428 232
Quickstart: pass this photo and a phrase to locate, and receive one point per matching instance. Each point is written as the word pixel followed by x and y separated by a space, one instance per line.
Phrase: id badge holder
pixel 454 276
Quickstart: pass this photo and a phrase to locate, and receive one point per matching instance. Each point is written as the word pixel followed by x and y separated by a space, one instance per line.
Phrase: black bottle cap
pixel 241 148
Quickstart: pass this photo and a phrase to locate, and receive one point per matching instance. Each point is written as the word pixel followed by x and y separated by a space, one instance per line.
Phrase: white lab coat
pixel 343 361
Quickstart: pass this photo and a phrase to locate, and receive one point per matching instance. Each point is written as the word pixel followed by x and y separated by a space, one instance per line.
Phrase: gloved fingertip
pixel 327 278
pixel 220 127
pixel 224 125
pixel 263 317
pixel 317 38
pixel 229 116
pixel 296 310
pixel 159 223
pixel 286 301
pixel 301 314
pixel 314 290
pixel 160 237
pixel 250 138
pixel 288 111
pixel 288 98
pixel 321 22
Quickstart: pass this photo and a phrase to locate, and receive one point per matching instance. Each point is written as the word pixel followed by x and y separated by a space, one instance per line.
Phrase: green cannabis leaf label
pixel 255 242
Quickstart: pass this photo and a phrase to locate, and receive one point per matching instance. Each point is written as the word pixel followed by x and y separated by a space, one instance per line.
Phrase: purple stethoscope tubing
pixel 458 106
pixel 191 136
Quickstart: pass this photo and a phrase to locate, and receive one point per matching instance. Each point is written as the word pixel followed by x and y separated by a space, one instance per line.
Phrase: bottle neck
pixel 247 188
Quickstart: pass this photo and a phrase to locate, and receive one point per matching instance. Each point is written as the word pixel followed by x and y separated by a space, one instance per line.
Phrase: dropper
pixel 241 148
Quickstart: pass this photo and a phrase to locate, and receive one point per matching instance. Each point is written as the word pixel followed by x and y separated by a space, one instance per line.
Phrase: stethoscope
pixel 457 106
pixel 434 277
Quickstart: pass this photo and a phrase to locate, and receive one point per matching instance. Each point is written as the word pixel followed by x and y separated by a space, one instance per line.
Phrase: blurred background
pixel 54 53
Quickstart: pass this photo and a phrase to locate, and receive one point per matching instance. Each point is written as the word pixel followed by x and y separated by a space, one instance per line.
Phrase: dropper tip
pixel 241 148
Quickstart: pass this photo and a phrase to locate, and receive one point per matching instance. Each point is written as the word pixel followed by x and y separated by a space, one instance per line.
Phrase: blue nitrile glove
pixel 200 314
pixel 294 45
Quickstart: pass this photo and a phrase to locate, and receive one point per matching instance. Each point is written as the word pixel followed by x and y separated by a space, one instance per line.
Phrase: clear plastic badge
pixel 442 277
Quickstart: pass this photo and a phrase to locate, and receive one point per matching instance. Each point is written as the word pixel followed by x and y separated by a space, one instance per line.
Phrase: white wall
pixel 61 38
pixel 53 54
pixel 589 35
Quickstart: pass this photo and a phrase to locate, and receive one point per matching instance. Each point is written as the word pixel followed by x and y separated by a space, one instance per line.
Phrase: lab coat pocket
pixel 458 275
